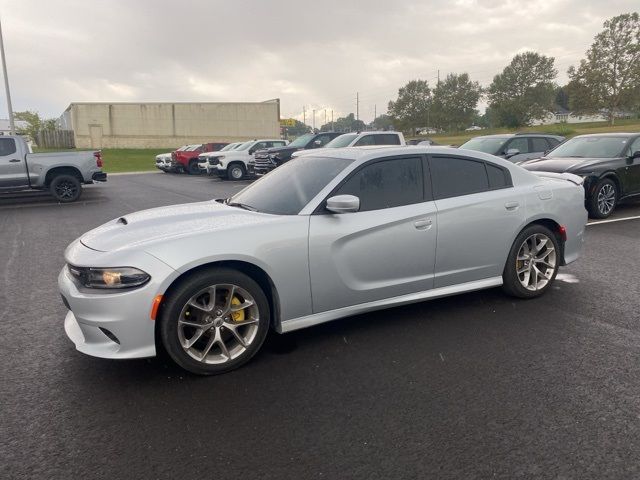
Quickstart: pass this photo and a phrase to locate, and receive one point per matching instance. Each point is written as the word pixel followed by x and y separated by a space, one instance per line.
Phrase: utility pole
pixel 375 114
pixel 438 78
pixel 325 116
pixel 357 106
pixel 314 120
pixel 304 115
pixel 332 120
pixel 6 85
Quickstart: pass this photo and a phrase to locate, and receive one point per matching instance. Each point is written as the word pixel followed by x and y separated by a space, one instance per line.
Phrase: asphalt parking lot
pixel 473 386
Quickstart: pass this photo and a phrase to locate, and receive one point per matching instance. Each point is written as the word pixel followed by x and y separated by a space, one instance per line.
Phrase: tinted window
pixel 366 140
pixel 520 144
pixel 279 144
pixel 553 142
pixel 7 146
pixel 453 177
pixel 323 139
pixel 386 184
pixel 498 177
pixel 539 145
pixel 387 139
pixel 289 188
pixel 491 145
pixel 635 146
pixel 591 146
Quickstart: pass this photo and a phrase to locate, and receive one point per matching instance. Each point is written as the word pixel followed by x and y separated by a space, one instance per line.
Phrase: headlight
pixel 117 277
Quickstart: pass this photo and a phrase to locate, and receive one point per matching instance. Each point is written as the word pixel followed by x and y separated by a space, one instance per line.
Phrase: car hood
pixel 562 164
pixel 161 224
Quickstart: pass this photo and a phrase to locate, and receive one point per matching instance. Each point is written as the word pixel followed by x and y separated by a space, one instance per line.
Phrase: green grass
pixel 117 160
pixel 564 129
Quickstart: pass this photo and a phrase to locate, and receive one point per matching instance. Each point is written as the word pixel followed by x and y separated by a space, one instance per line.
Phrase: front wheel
pixel 66 188
pixel 193 168
pixel 603 200
pixel 235 172
pixel 533 263
pixel 214 321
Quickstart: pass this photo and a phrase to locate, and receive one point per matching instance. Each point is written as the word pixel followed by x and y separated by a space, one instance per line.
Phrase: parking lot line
pixel 615 220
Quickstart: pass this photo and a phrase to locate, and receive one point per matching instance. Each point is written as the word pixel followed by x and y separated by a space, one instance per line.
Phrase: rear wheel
pixel 214 321
pixel 235 171
pixel 65 188
pixel 533 263
pixel 602 201
pixel 193 168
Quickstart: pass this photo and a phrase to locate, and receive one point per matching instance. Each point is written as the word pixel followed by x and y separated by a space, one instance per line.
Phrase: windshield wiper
pixel 243 206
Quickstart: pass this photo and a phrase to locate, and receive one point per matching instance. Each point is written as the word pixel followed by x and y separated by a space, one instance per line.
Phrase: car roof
pixel 610 134
pixel 374 151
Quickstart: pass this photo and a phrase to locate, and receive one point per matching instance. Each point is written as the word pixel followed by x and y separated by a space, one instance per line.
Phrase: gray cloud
pixel 314 54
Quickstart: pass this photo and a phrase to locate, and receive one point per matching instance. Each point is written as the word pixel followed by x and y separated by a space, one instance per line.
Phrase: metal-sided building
pixel 155 125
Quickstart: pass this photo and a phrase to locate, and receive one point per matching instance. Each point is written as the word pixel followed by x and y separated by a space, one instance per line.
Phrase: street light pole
pixel 6 84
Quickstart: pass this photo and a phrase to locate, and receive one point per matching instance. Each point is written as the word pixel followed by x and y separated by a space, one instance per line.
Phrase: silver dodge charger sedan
pixel 320 238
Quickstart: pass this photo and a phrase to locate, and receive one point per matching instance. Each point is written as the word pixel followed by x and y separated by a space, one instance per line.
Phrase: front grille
pixel 214 161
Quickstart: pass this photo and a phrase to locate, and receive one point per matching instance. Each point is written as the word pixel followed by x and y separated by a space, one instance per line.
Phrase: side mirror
pixel 635 154
pixel 511 152
pixel 317 143
pixel 251 151
pixel 343 204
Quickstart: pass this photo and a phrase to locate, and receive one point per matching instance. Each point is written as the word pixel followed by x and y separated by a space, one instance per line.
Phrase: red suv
pixel 187 160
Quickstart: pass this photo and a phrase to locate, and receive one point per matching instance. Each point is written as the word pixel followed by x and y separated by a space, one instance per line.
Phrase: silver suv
pixel 517 147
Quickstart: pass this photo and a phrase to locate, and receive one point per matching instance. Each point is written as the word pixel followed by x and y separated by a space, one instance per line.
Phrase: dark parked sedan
pixel 608 162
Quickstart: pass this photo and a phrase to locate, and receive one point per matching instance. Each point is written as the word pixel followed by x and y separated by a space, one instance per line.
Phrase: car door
pixel 386 249
pixel 479 214
pixel 13 170
pixel 632 170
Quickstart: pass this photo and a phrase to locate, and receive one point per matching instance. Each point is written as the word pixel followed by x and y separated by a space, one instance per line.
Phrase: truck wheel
pixel 65 188
pixel 235 171
pixel 194 169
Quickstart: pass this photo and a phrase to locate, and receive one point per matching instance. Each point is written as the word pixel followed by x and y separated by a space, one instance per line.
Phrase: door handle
pixel 14 160
pixel 423 224
pixel 512 205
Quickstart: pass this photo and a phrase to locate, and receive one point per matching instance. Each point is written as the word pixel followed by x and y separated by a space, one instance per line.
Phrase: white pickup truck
pixel 61 173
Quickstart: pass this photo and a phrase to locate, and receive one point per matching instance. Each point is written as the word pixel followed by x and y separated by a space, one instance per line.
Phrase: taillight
pixel 563 232
pixel 98 156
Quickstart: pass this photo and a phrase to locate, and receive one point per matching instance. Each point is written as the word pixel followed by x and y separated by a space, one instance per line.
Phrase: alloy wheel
pixel 536 262
pixel 606 199
pixel 66 189
pixel 218 323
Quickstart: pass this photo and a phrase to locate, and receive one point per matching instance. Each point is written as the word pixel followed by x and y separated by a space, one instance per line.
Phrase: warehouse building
pixel 156 125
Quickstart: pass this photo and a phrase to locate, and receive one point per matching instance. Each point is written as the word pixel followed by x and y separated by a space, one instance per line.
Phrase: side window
pixel 260 146
pixel 553 142
pixel 366 140
pixel 386 184
pixel 324 139
pixel 539 145
pixel 7 146
pixel 278 144
pixel 498 177
pixel 521 144
pixel 387 139
pixel 453 177
pixel 635 146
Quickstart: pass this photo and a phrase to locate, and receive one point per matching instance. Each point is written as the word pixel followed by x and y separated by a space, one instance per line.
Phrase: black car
pixel 266 160
pixel 515 147
pixel 608 162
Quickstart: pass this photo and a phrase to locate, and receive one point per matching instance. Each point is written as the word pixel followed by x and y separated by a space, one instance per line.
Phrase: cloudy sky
pixel 316 55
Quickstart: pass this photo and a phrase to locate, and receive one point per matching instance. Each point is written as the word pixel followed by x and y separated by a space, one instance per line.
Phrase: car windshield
pixel 231 146
pixel 341 141
pixel 288 189
pixel 301 141
pixel 183 148
pixel 590 147
pixel 191 148
pixel 485 144
pixel 245 145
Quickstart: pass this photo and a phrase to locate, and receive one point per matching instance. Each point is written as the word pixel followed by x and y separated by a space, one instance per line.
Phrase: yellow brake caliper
pixel 239 315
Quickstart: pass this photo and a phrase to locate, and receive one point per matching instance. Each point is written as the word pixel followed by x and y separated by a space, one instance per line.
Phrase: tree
pixel 298 129
pixel 454 102
pixel 382 122
pixel 413 107
pixel 562 97
pixel 524 91
pixel 344 124
pixel 609 77
pixel 33 120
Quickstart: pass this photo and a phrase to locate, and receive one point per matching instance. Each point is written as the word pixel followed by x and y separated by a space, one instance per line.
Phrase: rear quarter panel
pixel 40 163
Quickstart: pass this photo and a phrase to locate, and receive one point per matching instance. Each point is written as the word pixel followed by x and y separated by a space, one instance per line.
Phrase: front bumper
pixel 114 324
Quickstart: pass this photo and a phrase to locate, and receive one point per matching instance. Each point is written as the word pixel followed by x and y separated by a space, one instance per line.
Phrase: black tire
pixel 236 171
pixel 193 169
pixel 512 284
pixel 602 202
pixel 65 188
pixel 177 301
